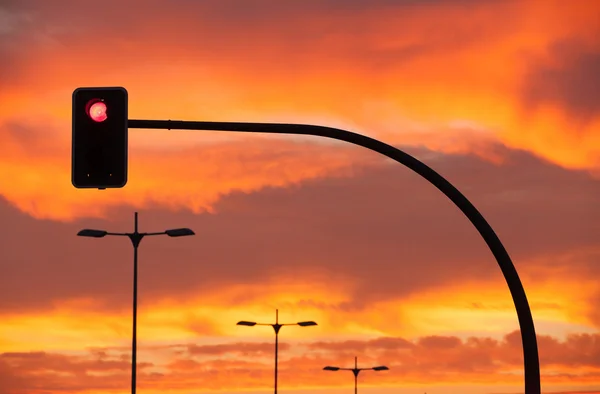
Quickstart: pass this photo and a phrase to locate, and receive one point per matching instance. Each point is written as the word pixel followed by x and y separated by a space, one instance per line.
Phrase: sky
pixel 500 97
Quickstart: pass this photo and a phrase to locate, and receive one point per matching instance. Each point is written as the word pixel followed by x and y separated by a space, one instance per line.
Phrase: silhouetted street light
pixel 356 371
pixel 135 237
pixel 276 327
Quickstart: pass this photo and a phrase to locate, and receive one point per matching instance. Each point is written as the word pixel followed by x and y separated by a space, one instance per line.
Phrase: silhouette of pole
pixel 135 237
pixel 276 327
pixel 356 371
pixel 528 337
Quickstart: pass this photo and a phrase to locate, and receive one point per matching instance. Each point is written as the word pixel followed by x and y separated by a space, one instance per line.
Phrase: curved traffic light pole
pixel 528 336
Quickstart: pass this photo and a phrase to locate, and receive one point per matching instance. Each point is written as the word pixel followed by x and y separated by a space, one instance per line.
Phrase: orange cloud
pixel 265 247
pixel 429 359
pixel 511 81
pixel 39 177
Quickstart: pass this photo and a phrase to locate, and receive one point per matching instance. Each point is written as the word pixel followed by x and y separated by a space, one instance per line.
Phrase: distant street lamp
pixel 135 237
pixel 276 327
pixel 356 371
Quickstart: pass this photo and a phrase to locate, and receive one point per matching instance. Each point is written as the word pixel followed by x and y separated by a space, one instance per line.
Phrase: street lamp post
pixel 276 327
pixel 135 237
pixel 356 371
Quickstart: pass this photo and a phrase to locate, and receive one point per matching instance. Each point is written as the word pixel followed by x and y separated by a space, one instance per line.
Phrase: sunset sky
pixel 500 97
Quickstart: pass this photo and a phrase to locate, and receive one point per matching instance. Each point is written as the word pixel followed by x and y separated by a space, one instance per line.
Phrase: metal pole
pixel 276 351
pixel 355 375
pixel 276 345
pixel 136 241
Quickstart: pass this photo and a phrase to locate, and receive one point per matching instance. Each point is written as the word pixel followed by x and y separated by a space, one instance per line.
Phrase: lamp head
pixel 306 323
pixel 246 323
pixel 92 233
pixel 179 232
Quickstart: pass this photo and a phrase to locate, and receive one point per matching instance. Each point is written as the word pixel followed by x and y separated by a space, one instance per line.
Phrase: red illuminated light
pixel 96 109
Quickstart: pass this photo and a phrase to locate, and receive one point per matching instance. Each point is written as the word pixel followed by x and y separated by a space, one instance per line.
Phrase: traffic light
pixel 99 141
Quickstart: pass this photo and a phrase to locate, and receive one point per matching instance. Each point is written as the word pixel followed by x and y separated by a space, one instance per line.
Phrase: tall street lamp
pixel 276 327
pixel 135 237
pixel 356 371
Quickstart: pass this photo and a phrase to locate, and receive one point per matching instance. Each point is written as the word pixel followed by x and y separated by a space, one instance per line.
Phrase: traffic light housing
pixel 99 139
